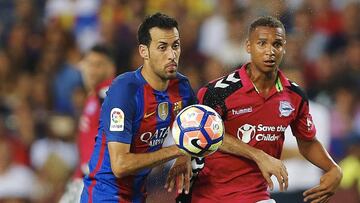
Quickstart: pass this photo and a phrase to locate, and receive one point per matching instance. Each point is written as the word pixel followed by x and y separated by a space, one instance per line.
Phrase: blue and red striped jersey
pixel 136 114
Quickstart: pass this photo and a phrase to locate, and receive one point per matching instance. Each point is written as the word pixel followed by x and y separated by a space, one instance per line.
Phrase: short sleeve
pixel 303 127
pixel 118 111
pixel 209 98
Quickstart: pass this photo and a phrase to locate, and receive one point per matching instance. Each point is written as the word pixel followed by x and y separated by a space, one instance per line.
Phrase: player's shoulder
pixel 126 84
pixel 295 88
pixel 128 80
pixel 182 78
pixel 224 86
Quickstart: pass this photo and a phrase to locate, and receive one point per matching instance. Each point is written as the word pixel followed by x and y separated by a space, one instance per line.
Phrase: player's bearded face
pixel 267 47
pixel 164 52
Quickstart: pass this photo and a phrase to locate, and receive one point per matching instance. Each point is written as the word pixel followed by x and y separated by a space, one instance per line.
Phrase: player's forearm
pixel 129 163
pixel 236 147
pixel 314 152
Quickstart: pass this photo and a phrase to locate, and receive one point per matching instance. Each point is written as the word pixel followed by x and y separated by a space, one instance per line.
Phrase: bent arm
pixel 237 147
pixel 124 163
pixel 314 152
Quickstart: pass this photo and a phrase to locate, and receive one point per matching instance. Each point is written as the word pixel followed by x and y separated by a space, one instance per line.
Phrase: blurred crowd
pixel 42 94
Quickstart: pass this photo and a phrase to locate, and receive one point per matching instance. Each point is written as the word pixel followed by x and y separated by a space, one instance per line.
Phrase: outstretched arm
pixel 329 182
pixel 267 164
pixel 124 163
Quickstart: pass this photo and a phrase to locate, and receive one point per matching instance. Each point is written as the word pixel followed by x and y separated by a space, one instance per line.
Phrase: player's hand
pixel 180 173
pixel 329 182
pixel 269 166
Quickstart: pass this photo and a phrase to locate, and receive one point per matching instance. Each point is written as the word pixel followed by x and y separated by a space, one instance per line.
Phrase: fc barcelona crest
pixel 177 107
pixel 163 110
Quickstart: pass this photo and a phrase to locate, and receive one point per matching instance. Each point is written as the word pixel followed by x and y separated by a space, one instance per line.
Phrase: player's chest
pixel 253 118
pixel 156 118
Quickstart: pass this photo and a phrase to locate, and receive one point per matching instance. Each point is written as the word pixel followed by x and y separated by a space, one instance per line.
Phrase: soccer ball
pixel 198 130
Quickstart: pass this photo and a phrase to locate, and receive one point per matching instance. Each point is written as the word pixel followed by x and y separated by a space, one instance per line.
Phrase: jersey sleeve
pixel 207 96
pixel 118 111
pixel 303 127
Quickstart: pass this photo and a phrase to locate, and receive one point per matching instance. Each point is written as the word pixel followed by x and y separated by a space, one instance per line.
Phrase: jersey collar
pixel 248 85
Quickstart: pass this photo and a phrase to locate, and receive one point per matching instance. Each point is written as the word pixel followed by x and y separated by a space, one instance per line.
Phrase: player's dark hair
pixel 159 20
pixel 104 50
pixel 266 21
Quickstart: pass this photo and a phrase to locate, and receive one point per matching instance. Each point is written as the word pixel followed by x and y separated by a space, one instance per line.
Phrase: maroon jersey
pixel 88 126
pixel 260 122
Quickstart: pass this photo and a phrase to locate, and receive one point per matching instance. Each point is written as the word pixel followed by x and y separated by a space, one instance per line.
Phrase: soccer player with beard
pixel 135 119
pixel 257 103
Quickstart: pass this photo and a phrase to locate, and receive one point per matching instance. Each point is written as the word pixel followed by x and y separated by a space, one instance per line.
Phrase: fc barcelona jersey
pixel 136 114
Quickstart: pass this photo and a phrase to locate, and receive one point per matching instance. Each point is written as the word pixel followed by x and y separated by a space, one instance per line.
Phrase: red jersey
pixel 88 126
pixel 260 122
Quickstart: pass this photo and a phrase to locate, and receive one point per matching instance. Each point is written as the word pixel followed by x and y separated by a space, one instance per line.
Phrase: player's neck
pixel 154 80
pixel 263 82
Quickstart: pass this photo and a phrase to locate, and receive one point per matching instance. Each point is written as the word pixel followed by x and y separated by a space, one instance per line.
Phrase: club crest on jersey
pixel 117 119
pixel 177 107
pixel 163 110
pixel 285 108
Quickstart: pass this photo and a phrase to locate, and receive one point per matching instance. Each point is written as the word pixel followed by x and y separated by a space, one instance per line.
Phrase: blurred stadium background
pixel 41 91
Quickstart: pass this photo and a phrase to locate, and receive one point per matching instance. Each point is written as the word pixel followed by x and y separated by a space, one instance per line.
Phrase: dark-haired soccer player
pixel 135 119
pixel 257 103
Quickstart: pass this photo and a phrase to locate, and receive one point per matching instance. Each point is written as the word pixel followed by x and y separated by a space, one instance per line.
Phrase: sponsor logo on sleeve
pixel 309 123
pixel 117 119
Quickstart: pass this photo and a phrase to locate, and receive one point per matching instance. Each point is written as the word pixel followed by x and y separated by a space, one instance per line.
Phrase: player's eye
pixel 162 47
pixel 278 44
pixel 176 46
pixel 261 43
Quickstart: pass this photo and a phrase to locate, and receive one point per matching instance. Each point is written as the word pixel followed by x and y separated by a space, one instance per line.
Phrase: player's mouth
pixel 269 63
pixel 171 66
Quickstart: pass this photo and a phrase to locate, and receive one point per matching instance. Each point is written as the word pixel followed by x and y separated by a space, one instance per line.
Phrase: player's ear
pixel 144 51
pixel 247 45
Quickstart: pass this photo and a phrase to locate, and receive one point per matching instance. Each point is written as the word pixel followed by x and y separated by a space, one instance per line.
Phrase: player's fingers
pixel 327 199
pixel 180 183
pixel 285 179
pixel 187 183
pixel 280 180
pixel 312 190
pixel 285 170
pixel 171 185
pixel 321 199
pixel 269 181
pixel 315 196
pixel 169 178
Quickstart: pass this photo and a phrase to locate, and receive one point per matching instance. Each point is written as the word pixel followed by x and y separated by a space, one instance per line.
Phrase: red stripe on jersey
pixel 174 96
pixel 147 124
pixel 98 165
pixel 148 121
pixel 125 189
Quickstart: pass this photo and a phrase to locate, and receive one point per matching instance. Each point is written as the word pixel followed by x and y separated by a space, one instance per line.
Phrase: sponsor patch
pixel 163 110
pixel 241 111
pixel 177 107
pixel 117 119
pixel 285 108
pixel 260 133
pixel 246 133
